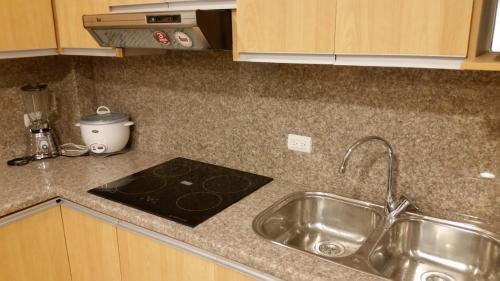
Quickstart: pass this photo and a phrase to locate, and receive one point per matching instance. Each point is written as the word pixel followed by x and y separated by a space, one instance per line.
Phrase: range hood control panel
pixel 163 19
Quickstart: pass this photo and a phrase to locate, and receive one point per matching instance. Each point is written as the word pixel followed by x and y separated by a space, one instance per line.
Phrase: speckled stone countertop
pixel 228 234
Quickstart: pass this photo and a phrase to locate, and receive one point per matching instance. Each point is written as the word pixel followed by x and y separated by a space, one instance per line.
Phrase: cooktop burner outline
pixel 226 184
pixel 198 201
pixel 182 190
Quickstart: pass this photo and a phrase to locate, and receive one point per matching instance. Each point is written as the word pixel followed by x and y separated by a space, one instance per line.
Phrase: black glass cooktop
pixel 182 190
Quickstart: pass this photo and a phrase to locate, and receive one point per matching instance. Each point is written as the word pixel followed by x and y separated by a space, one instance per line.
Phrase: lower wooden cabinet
pixel 92 247
pixel 142 258
pixel 33 248
pixel 63 244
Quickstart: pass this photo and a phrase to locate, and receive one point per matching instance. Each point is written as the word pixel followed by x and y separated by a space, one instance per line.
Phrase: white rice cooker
pixel 106 131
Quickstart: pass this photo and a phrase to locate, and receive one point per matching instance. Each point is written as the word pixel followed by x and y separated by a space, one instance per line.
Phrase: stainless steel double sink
pixel 355 234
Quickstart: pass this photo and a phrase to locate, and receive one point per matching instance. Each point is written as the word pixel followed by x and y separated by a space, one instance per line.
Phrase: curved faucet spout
pixel 389 197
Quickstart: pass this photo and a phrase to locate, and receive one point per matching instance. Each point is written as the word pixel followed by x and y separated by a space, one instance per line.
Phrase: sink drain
pixel 329 249
pixel 436 276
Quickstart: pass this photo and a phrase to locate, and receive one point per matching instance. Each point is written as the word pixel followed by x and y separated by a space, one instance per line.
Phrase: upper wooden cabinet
pixel 26 25
pixel 285 26
pixel 70 28
pixel 72 34
pixel 92 247
pixel 403 27
pixel 479 56
pixel 33 248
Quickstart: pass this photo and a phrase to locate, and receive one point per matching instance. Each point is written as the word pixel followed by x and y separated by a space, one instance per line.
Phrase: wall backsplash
pixel 70 81
pixel 443 125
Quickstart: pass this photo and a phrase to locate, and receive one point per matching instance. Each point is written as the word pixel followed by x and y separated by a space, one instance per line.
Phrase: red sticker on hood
pixel 162 37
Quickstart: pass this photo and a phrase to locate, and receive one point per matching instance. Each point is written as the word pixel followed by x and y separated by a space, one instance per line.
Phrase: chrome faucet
pixel 393 207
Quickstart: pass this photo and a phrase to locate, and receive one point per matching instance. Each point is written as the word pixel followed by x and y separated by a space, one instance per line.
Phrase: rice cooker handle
pixel 128 123
pixel 103 110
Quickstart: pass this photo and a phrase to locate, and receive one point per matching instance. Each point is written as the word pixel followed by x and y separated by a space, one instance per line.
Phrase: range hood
pixel 188 30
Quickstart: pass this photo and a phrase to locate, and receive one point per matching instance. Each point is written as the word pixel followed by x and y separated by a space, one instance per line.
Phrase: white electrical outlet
pixel 299 143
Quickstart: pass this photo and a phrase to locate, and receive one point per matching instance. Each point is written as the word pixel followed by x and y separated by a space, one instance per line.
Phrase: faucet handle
pixel 411 206
pixel 401 205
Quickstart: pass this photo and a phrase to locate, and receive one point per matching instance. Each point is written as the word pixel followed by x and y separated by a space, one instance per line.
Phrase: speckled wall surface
pixel 444 125
pixel 70 82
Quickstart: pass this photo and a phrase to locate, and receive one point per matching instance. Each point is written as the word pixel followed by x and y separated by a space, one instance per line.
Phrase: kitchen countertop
pixel 228 234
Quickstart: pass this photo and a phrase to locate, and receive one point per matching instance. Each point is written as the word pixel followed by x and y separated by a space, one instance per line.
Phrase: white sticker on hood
pixel 183 39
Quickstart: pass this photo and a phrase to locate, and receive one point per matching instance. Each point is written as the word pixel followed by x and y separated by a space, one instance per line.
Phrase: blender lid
pixel 103 117
pixel 34 87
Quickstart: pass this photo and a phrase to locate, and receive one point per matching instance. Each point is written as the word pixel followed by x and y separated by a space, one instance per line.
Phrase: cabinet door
pixel 26 25
pixel 145 259
pixel 34 249
pixel 70 28
pixel 285 26
pixel 403 27
pixel 92 247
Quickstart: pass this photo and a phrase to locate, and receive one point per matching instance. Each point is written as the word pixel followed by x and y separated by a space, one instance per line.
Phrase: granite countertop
pixel 228 234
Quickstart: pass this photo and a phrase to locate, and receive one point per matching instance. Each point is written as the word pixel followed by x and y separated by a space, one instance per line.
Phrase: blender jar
pixel 36 105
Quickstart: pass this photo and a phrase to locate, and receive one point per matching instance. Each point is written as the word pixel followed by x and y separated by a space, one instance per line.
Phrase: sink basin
pixel 355 233
pixel 435 250
pixel 322 224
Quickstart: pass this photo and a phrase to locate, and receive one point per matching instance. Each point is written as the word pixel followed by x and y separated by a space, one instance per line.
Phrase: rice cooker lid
pixel 104 116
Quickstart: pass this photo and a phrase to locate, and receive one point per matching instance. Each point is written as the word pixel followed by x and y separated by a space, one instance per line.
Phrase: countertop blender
pixel 43 143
